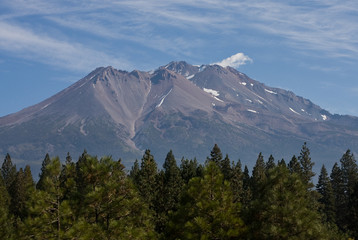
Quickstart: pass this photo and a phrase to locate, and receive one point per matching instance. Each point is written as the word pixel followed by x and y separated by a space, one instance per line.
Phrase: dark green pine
pixel 326 198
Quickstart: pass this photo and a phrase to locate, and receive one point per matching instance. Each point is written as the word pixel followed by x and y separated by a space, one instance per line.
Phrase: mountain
pixel 181 107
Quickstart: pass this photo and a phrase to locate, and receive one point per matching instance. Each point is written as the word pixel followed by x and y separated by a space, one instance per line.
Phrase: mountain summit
pixel 178 106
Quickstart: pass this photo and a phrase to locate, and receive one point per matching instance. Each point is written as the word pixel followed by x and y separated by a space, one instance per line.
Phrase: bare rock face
pixel 181 107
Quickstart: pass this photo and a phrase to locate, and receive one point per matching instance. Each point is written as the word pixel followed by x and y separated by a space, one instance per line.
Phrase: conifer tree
pixel 68 179
pixel 306 166
pixel 225 167
pixel 134 173
pixel 216 155
pixel 170 184
pixel 338 192
pixel 188 169
pixel 258 176
pixel 6 227
pixel 23 187
pixel 349 170
pixel 270 164
pixel 246 182
pixel 326 198
pixel 294 166
pixel 48 213
pixel 283 210
pixel 353 213
pixel 8 172
pixel 172 181
pixel 207 210
pixel 236 181
pixel 147 178
pixel 43 173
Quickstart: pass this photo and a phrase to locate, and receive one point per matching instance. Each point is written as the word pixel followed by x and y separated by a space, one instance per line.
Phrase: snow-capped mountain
pixel 181 107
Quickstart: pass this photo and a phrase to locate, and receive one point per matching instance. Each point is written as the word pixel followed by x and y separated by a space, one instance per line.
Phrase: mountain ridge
pixel 176 106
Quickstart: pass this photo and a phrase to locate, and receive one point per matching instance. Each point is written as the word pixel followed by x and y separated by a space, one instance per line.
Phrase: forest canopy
pixel 96 198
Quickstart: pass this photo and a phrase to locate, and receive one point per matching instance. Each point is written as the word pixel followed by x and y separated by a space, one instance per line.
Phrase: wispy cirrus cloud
pixel 321 28
pixel 36 46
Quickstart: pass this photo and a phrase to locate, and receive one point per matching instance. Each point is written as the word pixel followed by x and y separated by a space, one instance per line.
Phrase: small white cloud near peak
pixel 235 61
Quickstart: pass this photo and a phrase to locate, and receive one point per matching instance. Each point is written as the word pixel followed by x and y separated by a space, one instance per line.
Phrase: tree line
pixel 98 199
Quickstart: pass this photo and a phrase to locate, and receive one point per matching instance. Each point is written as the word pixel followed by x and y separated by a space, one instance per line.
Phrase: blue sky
pixel 308 47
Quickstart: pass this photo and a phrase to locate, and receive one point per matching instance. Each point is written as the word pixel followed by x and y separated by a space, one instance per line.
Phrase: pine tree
pixel 326 198
pixel 22 188
pixel 246 182
pixel 294 166
pixel 349 173
pixel 270 164
pixel 68 179
pixel 349 170
pixel 207 210
pixel 8 172
pixel 48 213
pixel 258 176
pixel 306 166
pixel 134 173
pixel 225 167
pixel 216 155
pixel 353 213
pixel 6 228
pixel 236 181
pixel 147 178
pixel 173 181
pixel 188 169
pixel 112 208
pixel 170 184
pixel 283 211
pixel 338 192
pixel 43 173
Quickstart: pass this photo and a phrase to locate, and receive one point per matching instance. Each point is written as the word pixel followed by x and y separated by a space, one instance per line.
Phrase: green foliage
pixel 96 199
pixel 326 198
pixel 306 166
pixel 282 210
pixel 207 210
pixel 6 228
pixel 258 176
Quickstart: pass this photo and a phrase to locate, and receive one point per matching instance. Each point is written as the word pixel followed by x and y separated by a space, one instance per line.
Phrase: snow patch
pixel 251 84
pixel 253 111
pixel 190 77
pixel 213 104
pixel 93 85
pixel 243 83
pixel 162 99
pixel 218 99
pixel 302 110
pixel 294 111
pixel 248 100
pixel 212 92
pixel 201 68
pixel 45 106
pixel 324 117
pixel 82 128
pixel 259 101
pixel 269 91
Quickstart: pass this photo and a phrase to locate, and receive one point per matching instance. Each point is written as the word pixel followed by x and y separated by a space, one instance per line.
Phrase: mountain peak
pixel 177 106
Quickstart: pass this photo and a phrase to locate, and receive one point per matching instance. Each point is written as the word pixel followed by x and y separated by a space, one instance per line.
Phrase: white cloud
pixel 235 61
